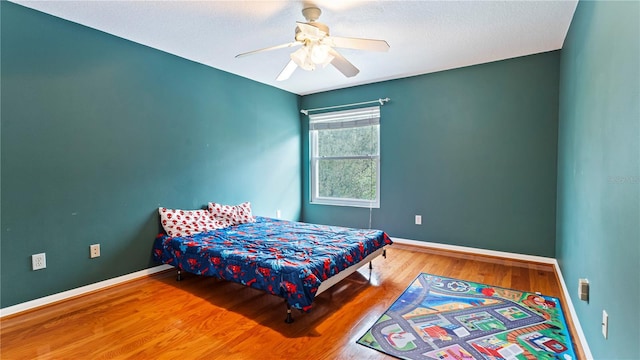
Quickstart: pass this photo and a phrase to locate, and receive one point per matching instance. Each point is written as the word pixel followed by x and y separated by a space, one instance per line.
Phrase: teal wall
pixel 97 132
pixel 598 233
pixel 473 150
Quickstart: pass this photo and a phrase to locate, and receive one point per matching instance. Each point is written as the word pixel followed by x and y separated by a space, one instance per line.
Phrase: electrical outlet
pixel 418 219
pixel 94 250
pixel 38 261
pixel 605 324
pixel 278 214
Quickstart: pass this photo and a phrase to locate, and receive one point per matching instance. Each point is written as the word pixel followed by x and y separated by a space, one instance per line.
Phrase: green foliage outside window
pixel 340 176
pixel 347 179
pixel 349 141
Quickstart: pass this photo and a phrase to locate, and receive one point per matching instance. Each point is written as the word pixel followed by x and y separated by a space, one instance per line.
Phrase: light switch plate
pixel 583 289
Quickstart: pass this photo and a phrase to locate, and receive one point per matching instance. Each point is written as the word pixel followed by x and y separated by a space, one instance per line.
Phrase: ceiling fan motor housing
pixel 311 13
pixel 318 25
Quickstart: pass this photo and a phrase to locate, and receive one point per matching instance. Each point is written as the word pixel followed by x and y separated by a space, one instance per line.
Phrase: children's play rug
pixel 442 318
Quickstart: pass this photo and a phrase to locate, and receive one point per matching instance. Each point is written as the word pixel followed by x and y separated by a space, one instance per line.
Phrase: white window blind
pixel 345 119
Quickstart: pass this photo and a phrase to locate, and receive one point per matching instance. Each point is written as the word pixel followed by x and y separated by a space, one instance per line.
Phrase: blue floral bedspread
pixel 284 258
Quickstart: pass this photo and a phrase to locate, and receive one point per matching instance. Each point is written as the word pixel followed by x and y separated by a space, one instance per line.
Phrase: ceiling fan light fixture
pixel 312 54
pixel 302 58
pixel 320 54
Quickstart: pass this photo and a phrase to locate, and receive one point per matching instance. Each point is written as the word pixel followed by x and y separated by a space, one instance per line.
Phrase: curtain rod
pixel 381 101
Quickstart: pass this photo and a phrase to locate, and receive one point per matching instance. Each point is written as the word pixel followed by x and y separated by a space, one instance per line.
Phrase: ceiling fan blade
pixel 291 44
pixel 343 65
pixel 359 44
pixel 287 71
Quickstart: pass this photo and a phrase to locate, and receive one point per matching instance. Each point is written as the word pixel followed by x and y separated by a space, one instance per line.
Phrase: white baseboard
pixel 515 256
pixel 476 251
pixel 572 313
pixel 28 305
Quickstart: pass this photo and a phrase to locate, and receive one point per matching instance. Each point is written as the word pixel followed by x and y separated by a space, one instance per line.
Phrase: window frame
pixel 314 161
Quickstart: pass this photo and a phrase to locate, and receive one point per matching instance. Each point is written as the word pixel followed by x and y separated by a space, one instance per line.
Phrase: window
pixel 345 157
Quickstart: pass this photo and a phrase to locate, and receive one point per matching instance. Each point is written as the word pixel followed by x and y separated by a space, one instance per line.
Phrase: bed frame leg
pixel 289 319
pixel 384 253
pixel 179 276
pixel 370 265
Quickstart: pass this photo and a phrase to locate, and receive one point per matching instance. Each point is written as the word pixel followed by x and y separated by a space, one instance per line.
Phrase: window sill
pixel 346 202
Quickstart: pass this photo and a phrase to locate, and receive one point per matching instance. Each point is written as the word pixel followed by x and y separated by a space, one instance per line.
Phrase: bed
pixel 292 260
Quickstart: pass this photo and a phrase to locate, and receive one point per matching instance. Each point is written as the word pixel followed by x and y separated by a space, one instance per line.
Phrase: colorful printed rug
pixel 442 318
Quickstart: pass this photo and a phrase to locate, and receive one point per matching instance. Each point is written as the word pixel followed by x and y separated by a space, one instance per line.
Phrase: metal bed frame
pixel 325 285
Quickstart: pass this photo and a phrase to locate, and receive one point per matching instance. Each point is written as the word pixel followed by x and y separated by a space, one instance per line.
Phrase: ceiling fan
pixel 317 47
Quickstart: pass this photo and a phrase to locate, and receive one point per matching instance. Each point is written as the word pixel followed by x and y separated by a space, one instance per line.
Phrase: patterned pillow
pixel 187 222
pixel 232 215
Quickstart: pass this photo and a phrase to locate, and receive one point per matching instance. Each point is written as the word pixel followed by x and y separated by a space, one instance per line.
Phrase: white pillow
pixel 232 215
pixel 187 222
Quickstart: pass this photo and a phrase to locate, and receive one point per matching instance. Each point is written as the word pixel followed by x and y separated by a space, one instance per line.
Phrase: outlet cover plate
pixel 605 324
pixel 94 250
pixel 38 261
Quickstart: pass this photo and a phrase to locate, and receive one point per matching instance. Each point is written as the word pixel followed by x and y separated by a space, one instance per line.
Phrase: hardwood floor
pixel 159 318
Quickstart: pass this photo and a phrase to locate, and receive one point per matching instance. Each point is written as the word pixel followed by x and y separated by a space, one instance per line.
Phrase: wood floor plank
pixel 158 318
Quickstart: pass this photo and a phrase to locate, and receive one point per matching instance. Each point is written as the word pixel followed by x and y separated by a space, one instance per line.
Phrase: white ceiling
pixel 425 36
